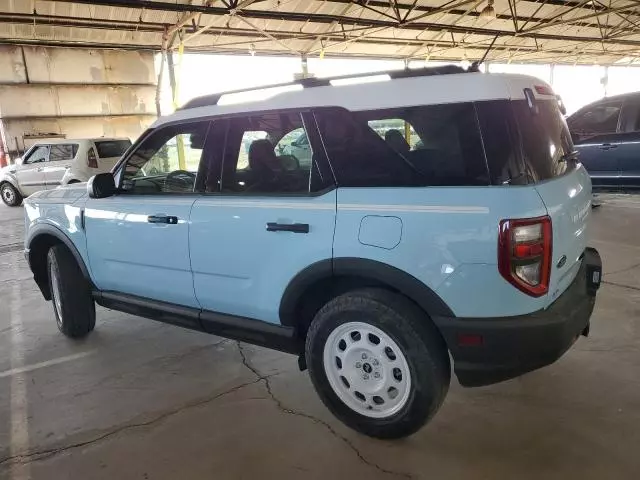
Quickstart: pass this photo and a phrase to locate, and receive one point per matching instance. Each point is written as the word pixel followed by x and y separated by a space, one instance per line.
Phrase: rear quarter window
pixel 434 145
pixel 112 148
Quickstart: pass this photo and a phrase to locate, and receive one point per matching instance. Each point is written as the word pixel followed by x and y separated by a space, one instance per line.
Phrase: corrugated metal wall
pixel 74 93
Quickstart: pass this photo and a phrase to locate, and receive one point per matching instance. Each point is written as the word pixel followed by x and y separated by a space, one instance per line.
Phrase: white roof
pixel 400 92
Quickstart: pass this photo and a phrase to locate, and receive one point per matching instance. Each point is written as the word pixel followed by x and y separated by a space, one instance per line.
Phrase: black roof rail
pixel 213 99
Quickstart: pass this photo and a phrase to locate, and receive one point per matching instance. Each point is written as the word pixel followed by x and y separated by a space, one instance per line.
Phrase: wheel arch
pixel 310 289
pixel 13 181
pixel 39 240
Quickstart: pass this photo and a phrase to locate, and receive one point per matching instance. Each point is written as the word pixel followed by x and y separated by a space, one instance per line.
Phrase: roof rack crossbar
pixel 213 99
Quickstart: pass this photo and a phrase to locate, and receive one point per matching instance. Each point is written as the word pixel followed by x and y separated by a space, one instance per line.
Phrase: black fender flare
pixel 39 271
pixel 383 273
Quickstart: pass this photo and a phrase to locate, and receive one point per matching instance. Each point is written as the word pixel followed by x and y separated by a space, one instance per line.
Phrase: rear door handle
pixel 288 227
pixel 608 146
pixel 169 219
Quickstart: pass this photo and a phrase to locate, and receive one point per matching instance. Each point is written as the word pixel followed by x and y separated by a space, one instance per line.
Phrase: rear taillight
pixel 524 254
pixel 92 158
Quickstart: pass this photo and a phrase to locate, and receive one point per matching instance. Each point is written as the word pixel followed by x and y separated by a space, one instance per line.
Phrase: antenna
pixel 475 66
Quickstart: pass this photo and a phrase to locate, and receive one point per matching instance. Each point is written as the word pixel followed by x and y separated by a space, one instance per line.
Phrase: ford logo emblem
pixel 562 261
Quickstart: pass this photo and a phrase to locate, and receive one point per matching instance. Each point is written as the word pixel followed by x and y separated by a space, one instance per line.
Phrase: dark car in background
pixel 607 135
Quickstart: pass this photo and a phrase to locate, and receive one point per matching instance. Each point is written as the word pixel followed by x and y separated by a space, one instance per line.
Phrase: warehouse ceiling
pixel 544 31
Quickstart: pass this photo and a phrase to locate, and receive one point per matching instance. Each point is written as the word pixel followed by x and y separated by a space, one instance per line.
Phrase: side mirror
pixel 101 185
pixel 19 161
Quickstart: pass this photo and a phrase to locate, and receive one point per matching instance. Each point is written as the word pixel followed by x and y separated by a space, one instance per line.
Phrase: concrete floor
pixel 143 400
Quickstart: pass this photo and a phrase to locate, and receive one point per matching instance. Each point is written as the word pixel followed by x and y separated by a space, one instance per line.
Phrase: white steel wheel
pixel 367 370
pixel 10 196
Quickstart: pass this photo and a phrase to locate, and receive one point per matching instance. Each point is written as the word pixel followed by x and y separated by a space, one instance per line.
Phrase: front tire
pixel 378 363
pixel 10 195
pixel 73 305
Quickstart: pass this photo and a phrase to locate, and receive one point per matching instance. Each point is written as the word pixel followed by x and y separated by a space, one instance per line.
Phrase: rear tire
pixel 10 195
pixel 378 363
pixel 73 305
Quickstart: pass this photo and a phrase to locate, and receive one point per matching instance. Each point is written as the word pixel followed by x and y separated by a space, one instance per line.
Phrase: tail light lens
pixel 92 158
pixel 524 254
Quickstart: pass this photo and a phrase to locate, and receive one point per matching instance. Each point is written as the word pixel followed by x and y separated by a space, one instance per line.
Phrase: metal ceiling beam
pixel 336 36
pixel 552 22
pixel 181 7
pixel 427 10
pixel 553 55
pixel 417 26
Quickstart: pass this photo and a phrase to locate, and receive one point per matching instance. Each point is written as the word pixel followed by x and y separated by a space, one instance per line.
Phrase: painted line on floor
pixel 48 363
pixel 19 405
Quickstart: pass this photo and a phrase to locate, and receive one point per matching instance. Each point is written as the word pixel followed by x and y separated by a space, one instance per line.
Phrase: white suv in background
pixel 46 165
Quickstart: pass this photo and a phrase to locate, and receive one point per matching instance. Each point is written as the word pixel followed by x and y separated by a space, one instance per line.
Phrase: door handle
pixel 607 146
pixel 39 169
pixel 288 227
pixel 168 219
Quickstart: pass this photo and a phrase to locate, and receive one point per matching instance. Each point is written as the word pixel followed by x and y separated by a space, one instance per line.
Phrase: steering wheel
pixel 181 178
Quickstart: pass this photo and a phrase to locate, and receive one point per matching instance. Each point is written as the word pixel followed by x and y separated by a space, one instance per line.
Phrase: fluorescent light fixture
pixel 256 95
pixel 358 80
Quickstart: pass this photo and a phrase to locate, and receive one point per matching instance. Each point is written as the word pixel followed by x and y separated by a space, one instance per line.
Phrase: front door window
pixel 167 161
pixel 37 155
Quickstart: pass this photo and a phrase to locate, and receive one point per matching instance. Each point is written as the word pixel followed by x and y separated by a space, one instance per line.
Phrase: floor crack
pixel 289 411
pixel 621 285
pixel 626 269
pixel 44 454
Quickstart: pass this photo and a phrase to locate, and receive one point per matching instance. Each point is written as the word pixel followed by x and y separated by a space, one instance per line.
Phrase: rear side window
pixel 359 156
pixel 112 148
pixel 596 120
pixel 61 152
pixel 632 113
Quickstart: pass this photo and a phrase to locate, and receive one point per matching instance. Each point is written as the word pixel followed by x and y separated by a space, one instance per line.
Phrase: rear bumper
pixel 507 347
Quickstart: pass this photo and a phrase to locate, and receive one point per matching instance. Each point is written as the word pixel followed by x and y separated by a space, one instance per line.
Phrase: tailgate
pixel 568 202
pixel 106 164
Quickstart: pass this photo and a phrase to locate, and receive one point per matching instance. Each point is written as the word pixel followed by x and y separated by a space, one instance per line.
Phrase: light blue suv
pixel 373 260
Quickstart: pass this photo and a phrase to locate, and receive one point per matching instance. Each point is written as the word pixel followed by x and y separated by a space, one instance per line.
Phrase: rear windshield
pixel 524 144
pixel 112 148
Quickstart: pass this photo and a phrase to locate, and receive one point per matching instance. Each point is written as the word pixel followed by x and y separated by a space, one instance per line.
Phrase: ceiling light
pixel 488 11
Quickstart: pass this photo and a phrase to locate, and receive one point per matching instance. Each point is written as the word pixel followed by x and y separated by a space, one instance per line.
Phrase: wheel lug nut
pixel 365 376
pixel 376 375
pixel 358 365
pixel 375 362
pixel 364 356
